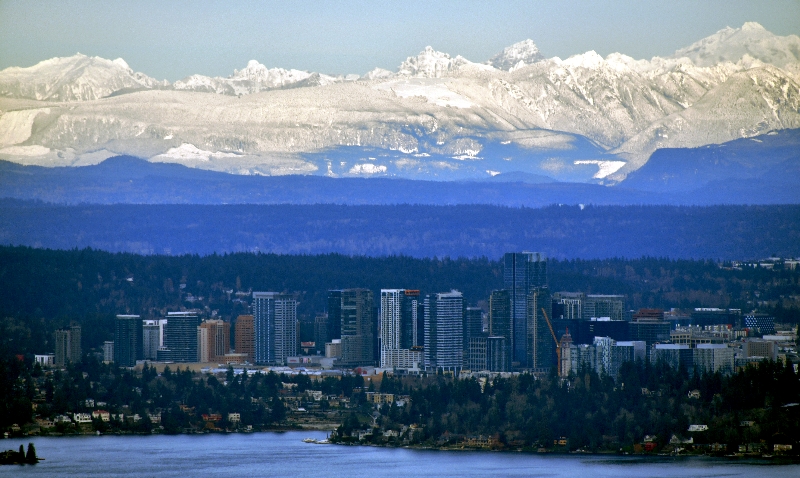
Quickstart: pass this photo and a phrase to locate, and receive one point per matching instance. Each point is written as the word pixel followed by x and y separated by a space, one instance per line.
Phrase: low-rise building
pixel 46 360
pixel 82 418
pixel 766 349
pixel 102 415
pixel 380 398
pixel 333 349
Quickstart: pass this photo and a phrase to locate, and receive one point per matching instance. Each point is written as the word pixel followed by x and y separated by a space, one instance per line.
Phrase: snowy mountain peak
pixel 753 26
pixel 732 44
pixel 430 64
pixel 517 55
pixel 269 77
pixel 590 60
pixel 253 78
pixel 121 63
pixel 378 74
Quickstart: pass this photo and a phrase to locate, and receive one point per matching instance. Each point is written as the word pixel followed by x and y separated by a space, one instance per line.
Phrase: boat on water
pixel 317 442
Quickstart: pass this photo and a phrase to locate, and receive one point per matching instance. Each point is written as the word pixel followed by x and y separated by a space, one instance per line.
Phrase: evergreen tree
pixel 31 457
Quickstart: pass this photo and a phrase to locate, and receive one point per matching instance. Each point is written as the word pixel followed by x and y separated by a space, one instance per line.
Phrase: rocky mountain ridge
pixel 585 118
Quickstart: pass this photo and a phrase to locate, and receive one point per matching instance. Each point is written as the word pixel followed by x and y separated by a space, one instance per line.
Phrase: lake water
pixel 284 454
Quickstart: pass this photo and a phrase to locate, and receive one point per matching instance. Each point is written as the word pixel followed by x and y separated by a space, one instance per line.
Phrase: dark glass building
pixel 500 319
pixel 521 272
pixel 128 340
pixel 587 330
pixel 649 331
pixel 473 325
pixel 541 345
pixel 356 309
pixel 180 338
pixel 321 336
pixel 334 329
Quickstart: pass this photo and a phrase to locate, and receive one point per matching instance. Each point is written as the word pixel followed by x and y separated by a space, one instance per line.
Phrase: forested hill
pixel 46 289
pixel 678 232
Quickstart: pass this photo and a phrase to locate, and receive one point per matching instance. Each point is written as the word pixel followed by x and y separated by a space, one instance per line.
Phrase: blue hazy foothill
pixel 769 160
pixel 758 170
pixel 680 232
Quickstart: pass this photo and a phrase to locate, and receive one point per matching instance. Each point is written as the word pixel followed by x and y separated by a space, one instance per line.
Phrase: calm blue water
pixel 284 454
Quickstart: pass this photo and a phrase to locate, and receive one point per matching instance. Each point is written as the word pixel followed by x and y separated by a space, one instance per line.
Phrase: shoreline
pixel 764 459
pixel 745 458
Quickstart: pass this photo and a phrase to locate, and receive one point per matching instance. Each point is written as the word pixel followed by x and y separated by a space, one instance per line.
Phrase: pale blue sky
pixel 173 39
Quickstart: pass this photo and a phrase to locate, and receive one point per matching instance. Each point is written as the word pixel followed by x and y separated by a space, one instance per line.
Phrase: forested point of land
pixel 564 232
pixel 47 289
pixel 756 408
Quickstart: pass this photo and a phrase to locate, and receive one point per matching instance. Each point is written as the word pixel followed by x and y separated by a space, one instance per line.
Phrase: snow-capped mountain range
pixel 585 118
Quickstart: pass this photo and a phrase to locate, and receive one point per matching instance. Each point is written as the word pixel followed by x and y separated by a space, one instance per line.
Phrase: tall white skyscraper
pixel 401 346
pixel 275 324
pixel 391 304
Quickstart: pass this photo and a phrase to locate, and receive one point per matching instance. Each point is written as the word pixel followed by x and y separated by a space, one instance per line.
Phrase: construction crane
pixel 558 346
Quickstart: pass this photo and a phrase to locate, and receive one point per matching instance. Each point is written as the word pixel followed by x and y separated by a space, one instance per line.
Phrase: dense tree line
pixel 256 397
pixel 590 232
pixel 598 413
pixel 758 404
pixel 46 289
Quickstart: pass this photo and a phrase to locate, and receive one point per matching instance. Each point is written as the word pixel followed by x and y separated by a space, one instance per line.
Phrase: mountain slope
pixel 75 78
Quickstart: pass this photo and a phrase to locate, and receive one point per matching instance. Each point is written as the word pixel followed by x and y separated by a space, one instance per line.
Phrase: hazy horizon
pixel 178 39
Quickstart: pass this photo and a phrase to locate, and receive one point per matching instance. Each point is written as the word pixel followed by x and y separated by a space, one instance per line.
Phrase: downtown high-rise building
pixel 152 337
pixel 501 320
pixel 321 335
pixel 602 305
pixel 127 340
pixel 275 327
pixel 541 343
pixel 444 331
pixel 568 305
pixel 180 337
pixel 487 353
pixel 213 341
pixel 245 335
pixel 67 345
pixel 355 309
pixel 401 329
pixel 473 326
pixel 333 328
pixel 522 271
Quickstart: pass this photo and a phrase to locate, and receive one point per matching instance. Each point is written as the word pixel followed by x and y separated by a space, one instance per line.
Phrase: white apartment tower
pixel 444 331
